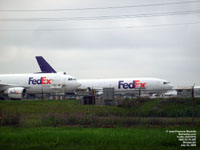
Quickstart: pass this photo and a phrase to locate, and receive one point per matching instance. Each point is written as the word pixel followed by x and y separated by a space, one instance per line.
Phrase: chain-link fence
pixel 91 110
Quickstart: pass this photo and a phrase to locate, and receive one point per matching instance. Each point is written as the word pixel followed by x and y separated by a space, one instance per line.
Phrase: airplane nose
pixel 167 85
pixel 171 86
pixel 77 84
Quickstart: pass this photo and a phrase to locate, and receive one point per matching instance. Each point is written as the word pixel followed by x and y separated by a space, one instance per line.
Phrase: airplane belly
pixel 39 90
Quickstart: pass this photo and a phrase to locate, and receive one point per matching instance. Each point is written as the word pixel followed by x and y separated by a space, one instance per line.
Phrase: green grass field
pixel 28 113
pixel 91 138
pixel 151 107
pixel 70 125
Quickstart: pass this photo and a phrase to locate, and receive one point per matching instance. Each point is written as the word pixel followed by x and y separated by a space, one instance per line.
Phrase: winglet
pixel 44 66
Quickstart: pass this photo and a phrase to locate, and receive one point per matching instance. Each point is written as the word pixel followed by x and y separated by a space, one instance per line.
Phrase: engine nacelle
pixel 16 93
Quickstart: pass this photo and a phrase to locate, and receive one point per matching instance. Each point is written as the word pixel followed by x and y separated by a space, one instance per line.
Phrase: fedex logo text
pixel 42 80
pixel 132 85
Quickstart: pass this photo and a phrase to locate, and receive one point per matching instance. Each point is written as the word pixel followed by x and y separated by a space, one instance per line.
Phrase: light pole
pixel 42 107
pixel 193 104
pixel 140 104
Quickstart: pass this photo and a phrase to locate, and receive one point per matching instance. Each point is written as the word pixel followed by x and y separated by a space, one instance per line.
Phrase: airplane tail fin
pixel 44 66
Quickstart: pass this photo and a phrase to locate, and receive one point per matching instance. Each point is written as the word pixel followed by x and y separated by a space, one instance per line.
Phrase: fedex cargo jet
pixel 128 85
pixel 16 86
pixel 120 85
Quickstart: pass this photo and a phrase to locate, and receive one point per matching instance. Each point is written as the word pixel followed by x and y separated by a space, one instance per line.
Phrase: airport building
pixel 186 91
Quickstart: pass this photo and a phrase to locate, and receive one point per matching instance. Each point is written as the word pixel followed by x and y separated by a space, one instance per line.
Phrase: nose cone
pixel 77 85
pixel 74 85
pixel 71 85
pixel 169 86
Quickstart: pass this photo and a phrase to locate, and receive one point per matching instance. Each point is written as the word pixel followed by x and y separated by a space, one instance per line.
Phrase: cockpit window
pixel 166 82
pixel 71 79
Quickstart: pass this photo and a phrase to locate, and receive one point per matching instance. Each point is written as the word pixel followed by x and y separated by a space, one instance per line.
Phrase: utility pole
pixel 42 107
pixel 140 104
pixel 93 103
pixel 193 104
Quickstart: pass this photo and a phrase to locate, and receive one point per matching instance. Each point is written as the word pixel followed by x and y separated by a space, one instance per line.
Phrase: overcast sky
pixel 166 46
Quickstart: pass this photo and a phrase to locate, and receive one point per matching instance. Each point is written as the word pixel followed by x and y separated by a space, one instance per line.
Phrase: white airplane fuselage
pixel 127 85
pixel 37 83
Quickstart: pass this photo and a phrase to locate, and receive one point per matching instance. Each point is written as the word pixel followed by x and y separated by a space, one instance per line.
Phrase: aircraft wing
pixel 4 86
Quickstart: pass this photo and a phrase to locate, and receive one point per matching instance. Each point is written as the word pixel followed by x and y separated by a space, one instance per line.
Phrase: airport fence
pixel 151 112
pixel 129 112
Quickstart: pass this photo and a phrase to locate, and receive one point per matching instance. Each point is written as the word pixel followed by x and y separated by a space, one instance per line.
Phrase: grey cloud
pixel 170 52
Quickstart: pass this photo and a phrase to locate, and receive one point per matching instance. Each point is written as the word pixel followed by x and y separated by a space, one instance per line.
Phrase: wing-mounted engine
pixel 16 93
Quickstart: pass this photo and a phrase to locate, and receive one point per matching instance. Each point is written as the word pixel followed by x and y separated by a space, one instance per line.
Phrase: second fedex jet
pixel 128 85
pixel 17 86
pixel 124 85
